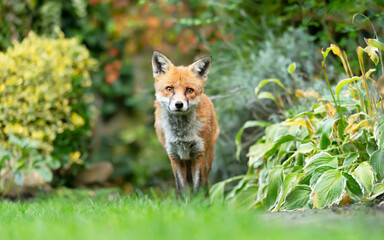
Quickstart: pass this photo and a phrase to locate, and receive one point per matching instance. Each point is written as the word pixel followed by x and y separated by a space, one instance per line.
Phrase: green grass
pixel 107 216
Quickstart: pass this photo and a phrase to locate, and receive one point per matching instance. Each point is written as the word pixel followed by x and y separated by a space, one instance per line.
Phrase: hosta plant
pixel 331 154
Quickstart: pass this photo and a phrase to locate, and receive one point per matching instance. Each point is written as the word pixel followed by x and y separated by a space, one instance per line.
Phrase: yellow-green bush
pixel 45 95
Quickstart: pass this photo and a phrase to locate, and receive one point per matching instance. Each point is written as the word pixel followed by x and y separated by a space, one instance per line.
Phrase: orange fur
pixel 181 78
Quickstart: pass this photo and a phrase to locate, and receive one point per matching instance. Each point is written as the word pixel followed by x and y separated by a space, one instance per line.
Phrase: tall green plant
pixel 332 154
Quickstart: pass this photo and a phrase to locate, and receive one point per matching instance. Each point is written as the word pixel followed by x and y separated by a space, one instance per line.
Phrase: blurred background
pixel 111 120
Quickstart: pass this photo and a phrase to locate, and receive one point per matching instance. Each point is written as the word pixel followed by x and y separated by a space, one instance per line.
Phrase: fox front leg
pixel 179 172
pixel 199 175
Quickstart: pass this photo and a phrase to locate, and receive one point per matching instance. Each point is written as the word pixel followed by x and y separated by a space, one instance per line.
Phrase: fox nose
pixel 179 104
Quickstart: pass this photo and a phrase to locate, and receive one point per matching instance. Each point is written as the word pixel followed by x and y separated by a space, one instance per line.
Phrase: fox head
pixel 179 88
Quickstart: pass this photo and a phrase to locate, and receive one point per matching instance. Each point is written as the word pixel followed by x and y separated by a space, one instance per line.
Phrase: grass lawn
pixel 107 216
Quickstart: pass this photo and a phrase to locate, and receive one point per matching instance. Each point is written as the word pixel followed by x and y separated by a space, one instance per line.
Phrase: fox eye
pixel 189 90
pixel 169 89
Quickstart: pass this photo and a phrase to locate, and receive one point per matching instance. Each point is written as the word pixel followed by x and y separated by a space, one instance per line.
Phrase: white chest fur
pixel 181 134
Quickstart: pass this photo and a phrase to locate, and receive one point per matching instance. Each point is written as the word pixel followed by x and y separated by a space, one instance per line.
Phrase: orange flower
pixel 112 77
pixel 153 22
pixel 112 70
pixel 113 52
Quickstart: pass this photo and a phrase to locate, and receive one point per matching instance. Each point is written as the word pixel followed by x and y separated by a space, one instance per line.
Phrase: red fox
pixel 185 119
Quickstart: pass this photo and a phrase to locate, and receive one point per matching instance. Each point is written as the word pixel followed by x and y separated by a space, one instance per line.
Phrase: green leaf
pixel 256 154
pixel 297 198
pixel 53 163
pixel 290 181
pixel 262 182
pixel 318 172
pixel 378 132
pixel 16 141
pixel 325 127
pixel 341 126
pixel 277 143
pixel 307 178
pixel 375 43
pixel 371 51
pixel 216 193
pixel 353 186
pixel 360 52
pixel 267 95
pixel 371 148
pixel 247 124
pixel 306 148
pixel 272 80
pixel 324 141
pixel 46 173
pixel 377 190
pixel 19 179
pixel 320 159
pixel 325 53
pixel 364 175
pixel 350 158
pixel 302 114
pixel 291 68
pixel 246 197
pixel 19 164
pixel 377 163
pixel 239 187
pixel 274 187
pixel 4 155
pixel 342 83
pixel 328 189
pixel 370 71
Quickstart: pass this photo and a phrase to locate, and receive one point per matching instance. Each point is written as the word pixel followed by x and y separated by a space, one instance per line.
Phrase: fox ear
pixel 202 66
pixel 160 63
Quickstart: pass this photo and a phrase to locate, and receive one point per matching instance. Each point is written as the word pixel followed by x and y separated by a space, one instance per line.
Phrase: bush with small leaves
pixel 45 95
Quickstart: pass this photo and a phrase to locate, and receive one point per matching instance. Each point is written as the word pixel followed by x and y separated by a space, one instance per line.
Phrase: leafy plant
pixel 23 157
pixel 332 154
pixel 45 96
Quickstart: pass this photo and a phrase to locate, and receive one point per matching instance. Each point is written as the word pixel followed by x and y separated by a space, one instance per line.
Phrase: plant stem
pixel 329 85
pixel 362 69
pixel 333 96
pixel 368 99
pixel 358 93
pixel 294 90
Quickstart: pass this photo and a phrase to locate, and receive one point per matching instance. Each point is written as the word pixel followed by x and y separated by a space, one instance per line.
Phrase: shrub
pixel 45 95
pixel 22 158
pixel 332 154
